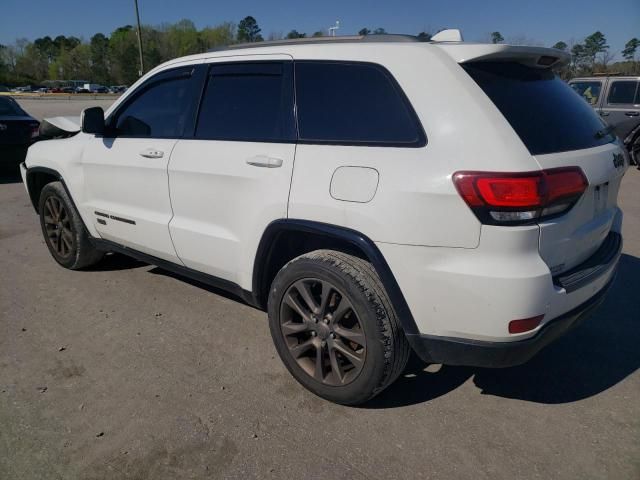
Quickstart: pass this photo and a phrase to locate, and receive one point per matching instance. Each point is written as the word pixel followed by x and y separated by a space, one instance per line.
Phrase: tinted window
pixel 544 111
pixel 352 103
pixel 623 91
pixel 248 102
pixel 9 107
pixel 590 91
pixel 161 108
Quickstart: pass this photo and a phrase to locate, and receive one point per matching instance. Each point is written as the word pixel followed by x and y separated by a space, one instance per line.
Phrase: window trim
pixel 422 137
pixel 610 91
pixel 195 74
pixel 288 71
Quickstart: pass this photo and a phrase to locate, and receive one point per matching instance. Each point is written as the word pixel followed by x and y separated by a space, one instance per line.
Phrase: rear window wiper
pixel 605 131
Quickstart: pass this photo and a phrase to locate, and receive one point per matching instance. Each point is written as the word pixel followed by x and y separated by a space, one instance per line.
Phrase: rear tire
pixel 334 327
pixel 63 230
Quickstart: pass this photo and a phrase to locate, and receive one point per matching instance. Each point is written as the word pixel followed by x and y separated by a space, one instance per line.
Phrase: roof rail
pixel 373 38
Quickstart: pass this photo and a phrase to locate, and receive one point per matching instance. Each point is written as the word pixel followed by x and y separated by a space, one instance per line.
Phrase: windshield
pixel 10 108
pixel 546 113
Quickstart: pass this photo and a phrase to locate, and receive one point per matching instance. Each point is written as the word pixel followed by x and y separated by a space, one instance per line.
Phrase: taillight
pixel 35 130
pixel 519 198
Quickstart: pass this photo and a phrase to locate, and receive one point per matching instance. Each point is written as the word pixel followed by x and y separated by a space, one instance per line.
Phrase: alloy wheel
pixel 322 331
pixel 58 227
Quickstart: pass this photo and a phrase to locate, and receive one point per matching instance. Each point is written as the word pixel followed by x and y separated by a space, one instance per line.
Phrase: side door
pixel 126 181
pixel 622 101
pixel 232 178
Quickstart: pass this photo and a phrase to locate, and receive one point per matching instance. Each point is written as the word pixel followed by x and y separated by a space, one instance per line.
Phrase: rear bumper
pixel 476 353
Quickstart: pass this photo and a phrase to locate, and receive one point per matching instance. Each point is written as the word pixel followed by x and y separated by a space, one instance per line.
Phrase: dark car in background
pixel 18 130
pixel 617 101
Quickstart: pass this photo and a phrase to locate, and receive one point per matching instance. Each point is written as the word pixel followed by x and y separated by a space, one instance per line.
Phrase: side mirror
pixel 93 120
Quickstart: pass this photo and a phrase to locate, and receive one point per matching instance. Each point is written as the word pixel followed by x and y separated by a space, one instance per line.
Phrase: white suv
pixel 375 195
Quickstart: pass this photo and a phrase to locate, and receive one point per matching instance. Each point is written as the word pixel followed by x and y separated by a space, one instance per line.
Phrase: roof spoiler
pixel 537 57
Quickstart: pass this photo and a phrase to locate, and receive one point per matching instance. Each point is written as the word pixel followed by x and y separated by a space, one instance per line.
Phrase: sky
pixel 544 21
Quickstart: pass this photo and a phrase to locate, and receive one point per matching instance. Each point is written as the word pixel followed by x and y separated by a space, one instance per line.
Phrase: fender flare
pixel 30 183
pixel 358 240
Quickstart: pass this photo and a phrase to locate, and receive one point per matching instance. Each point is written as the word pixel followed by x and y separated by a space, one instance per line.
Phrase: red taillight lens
pixel 515 198
pixel 35 130
pixel 524 325
pixel 511 192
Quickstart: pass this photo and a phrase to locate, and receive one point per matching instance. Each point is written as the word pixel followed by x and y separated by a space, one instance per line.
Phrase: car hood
pixel 55 127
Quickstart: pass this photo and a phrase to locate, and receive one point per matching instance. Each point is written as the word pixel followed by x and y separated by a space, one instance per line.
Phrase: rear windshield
pixel 547 114
pixel 10 108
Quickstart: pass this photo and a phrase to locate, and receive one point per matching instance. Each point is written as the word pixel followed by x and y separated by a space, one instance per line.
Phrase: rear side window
pixel 590 91
pixel 161 108
pixel 353 104
pixel 251 102
pixel 543 110
pixel 623 92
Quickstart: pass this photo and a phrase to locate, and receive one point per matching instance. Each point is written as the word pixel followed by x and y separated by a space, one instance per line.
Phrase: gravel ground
pixel 128 372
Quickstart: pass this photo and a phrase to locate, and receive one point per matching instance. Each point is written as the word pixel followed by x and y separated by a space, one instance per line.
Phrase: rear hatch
pixel 560 130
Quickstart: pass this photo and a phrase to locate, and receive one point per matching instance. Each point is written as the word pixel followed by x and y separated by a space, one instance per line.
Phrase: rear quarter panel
pixel 416 202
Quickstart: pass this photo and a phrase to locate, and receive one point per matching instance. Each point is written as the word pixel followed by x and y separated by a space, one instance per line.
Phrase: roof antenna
pixel 332 30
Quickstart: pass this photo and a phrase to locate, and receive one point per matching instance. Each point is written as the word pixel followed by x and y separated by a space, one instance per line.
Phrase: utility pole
pixel 141 71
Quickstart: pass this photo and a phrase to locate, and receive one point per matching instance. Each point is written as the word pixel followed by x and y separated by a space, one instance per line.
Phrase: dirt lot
pixel 126 371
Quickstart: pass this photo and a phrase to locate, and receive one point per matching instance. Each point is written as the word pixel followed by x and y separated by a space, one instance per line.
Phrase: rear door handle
pixel 152 153
pixel 265 161
pixel 604 114
pixel 631 114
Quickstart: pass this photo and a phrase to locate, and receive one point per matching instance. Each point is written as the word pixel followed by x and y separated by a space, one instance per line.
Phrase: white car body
pixel 203 204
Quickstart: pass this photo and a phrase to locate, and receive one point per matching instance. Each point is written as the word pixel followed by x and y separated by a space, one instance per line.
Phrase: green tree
pixel 319 33
pixel 182 38
pixel 560 46
pixel 123 55
pixel 295 34
pixel 249 31
pixel 594 44
pixel 364 31
pixel 222 35
pixel 630 48
pixel 99 49
pixel 379 31
pixel 424 36
pixel 496 37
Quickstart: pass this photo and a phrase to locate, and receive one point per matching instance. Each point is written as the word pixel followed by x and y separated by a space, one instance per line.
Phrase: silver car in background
pixel 617 100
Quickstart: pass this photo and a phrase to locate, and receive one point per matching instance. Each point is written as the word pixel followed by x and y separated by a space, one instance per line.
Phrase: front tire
pixel 334 327
pixel 63 230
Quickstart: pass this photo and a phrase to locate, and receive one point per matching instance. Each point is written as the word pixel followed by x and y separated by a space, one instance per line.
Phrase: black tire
pixel 380 361
pixel 63 230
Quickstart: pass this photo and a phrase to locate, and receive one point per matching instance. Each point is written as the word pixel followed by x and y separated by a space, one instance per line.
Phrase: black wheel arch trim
pixel 58 176
pixel 356 239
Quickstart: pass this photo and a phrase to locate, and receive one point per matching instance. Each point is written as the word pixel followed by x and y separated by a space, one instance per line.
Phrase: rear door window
pixel 623 92
pixel 251 102
pixel 590 91
pixel 353 104
pixel 544 111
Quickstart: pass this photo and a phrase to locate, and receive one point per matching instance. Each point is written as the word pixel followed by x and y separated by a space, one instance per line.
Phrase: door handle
pixel 631 114
pixel 604 114
pixel 265 161
pixel 152 153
